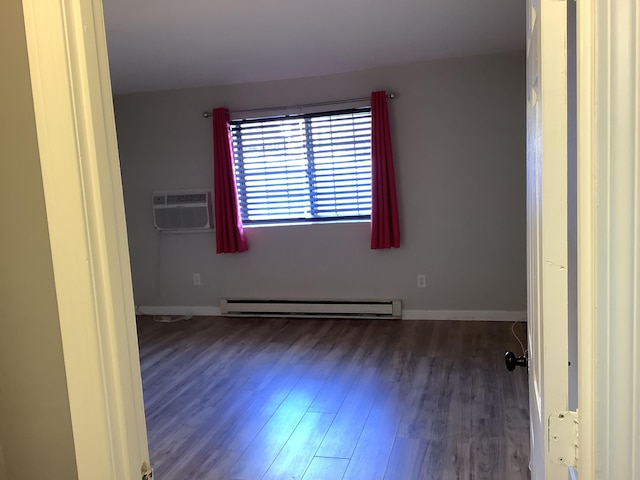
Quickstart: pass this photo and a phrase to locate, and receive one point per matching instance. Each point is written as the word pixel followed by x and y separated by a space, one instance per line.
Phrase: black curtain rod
pixel 306 105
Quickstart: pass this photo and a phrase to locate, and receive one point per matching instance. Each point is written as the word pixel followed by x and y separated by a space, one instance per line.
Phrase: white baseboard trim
pixel 204 311
pixel 466 315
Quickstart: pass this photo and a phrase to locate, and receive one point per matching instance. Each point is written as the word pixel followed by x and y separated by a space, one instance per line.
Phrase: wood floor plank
pixel 335 390
pixel 209 465
pixel 371 455
pixel 428 407
pixel 342 437
pixel 409 460
pixel 262 451
pixel 264 404
pixel 207 435
pixel 487 456
pixel 325 468
pixel 515 445
pixel 296 455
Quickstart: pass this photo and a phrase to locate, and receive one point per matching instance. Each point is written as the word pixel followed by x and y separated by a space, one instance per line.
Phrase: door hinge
pixel 147 471
pixel 563 438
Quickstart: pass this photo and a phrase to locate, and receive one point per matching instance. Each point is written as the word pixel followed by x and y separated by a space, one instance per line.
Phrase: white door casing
pixel 609 238
pixel 547 225
pixel 75 124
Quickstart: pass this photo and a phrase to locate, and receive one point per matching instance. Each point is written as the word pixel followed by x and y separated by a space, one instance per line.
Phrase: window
pixel 311 167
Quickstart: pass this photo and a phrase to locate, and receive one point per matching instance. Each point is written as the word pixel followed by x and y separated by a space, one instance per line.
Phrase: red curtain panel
pixel 229 234
pixel 385 225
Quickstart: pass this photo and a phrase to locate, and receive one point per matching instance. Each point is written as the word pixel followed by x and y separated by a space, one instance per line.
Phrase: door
pixel 547 225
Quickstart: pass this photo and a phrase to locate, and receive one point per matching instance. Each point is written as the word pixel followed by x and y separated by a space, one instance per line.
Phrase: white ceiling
pixel 164 44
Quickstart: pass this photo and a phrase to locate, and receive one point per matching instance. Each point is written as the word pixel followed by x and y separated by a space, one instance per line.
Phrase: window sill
pixel 297 224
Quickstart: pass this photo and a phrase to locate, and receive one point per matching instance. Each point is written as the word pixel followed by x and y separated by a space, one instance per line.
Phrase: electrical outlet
pixel 422 281
pixel 196 279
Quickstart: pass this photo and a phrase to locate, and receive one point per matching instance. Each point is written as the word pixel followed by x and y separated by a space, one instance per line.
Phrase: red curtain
pixel 385 226
pixel 229 234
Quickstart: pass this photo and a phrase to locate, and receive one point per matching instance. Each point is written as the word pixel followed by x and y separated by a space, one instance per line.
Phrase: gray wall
pixel 459 142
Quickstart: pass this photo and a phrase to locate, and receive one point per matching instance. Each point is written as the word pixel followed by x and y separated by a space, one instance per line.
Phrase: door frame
pixel 73 106
pixel 585 235
pixel 608 46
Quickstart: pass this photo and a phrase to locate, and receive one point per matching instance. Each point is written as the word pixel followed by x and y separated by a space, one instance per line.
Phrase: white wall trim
pixel 466 315
pixel 204 311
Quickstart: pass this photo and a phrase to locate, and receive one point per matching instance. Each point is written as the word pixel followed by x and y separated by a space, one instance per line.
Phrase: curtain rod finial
pixel 392 96
pixel 206 115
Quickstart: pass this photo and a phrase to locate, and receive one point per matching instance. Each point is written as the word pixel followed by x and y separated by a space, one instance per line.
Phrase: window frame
pixel 311 176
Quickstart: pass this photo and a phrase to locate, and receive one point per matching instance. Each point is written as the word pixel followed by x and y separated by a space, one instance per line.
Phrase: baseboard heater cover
pixel 311 308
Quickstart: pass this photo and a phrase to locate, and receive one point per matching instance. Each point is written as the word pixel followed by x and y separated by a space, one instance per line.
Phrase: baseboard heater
pixel 390 309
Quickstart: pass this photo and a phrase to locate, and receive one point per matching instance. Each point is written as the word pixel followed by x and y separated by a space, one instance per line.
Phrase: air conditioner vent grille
pixel 182 211
pixel 187 198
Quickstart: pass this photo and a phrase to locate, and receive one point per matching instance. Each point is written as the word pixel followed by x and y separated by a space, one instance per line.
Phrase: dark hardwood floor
pixel 333 399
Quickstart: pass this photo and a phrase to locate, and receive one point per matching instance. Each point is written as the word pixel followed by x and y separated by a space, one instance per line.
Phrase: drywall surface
pixel 458 129
pixel 35 421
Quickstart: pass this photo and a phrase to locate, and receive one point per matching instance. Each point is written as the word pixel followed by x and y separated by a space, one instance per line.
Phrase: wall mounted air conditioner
pixel 182 211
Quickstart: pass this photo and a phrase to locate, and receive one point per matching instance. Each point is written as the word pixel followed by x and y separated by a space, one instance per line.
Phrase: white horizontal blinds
pixel 271 169
pixel 342 161
pixel 304 167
